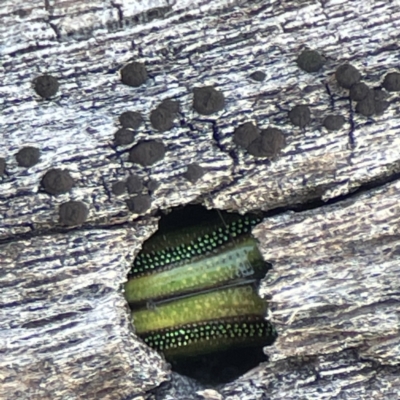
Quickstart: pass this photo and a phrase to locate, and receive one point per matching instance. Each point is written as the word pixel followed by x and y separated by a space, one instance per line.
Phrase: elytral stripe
pixel 180 245
pixel 238 259
pixel 211 336
pixel 231 302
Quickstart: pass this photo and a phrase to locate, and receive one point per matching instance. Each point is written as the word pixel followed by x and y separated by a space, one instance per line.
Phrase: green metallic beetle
pixel 193 290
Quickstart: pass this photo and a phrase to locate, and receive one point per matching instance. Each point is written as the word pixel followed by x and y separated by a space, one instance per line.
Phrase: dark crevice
pixel 29 49
pixel 120 14
pixel 106 189
pixel 331 98
pixel 352 127
pixel 55 29
pixel 314 202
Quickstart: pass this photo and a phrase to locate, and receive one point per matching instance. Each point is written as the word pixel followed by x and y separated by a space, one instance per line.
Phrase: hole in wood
pixel 193 291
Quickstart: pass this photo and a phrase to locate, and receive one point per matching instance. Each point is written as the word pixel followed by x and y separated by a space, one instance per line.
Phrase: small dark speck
pixel 269 144
pixel 333 122
pixel 162 117
pixel 392 82
pixel 300 116
pixel 134 74
pixel 310 61
pixel 130 119
pixel 245 134
pixel 258 76
pixel 72 213
pixel 152 185
pixel 28 156
pixel 207 100
pixel 21 13
pixel 380 95
pixel 366 106
pixel 46 86
pixel 147 152
pixel 123 137
pixel 57 181
pixel 118 188
pixel 134 184
pixel 347 76
pixel 194 172
pixel 359 91
pixel 139 204
pixel 171 105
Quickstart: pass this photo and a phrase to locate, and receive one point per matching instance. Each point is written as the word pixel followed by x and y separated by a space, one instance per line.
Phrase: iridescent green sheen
pixel 230 302
pixel 165 251
pixel 237 260
pixel 193 290
pixel 209 336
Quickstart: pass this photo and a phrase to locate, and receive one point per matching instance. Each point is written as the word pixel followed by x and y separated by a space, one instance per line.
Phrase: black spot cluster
pixel 207 100
pixel 139 202
pixel 369 101
pixel 162 117
pixel 57 181
pixel 259 143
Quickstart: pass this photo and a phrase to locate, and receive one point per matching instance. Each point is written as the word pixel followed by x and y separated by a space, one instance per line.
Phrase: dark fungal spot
pixel 359 91
pixel 21 12
pixel 134 74
pixel 380 95
pixel 310 61
pixel 72 213
pixel 269 144
pixel 366 106
pixel 245 134
pixel 333 122
pixel 118 188
pixel 152 185
pixel 373 103
pixel 46 86
pixel 2 166
pixel 162 117
pixel 194 172
pixel 380 106
pixel 347 76
pixel 207 100
pixel 139 204
pixel 258 76
pixel 57 181
pixel 391 82
pixel 28 156
pixel 123 137
pixel 147 152
pixel 134 184
pixel 171 105
pixel 130 119
pixel 300 115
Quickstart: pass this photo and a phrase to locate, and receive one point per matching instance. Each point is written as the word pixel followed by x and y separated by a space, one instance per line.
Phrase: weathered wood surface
pixel 64 330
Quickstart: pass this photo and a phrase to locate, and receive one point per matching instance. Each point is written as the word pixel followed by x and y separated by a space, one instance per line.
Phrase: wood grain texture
pixel 65 331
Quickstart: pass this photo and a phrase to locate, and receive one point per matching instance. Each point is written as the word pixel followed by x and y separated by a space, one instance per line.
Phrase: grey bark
pixel 65 330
